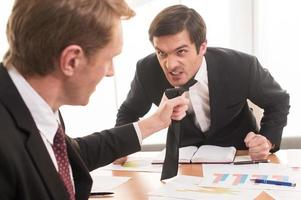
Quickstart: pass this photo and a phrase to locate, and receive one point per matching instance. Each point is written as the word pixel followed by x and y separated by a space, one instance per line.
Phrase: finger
pixel 259 155
pixel 179 104
pixel 261 145
pixel 258 140
pixel 120 161
pixel 260 149
pixel 179 113
pixel 180 109
pixel 249 137
pixel 254 141
pixel 179 116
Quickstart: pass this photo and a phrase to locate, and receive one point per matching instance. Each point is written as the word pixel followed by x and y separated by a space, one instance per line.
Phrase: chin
pixel 83 102
pixel 178 83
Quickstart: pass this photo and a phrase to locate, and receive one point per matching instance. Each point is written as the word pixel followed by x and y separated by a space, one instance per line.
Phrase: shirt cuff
pixel 138 132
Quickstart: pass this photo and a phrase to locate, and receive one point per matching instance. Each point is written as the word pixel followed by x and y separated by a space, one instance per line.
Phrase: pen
pixel 272 182
pixel 251 162
pixel 101 193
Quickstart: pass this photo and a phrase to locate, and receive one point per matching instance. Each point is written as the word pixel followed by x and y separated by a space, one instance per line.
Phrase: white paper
pixel 291 157
pixel 139 162
pixel 187 187
pixel 107 183
pixel 239 176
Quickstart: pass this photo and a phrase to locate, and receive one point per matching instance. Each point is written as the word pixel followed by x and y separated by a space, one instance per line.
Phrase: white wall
pixel 277 43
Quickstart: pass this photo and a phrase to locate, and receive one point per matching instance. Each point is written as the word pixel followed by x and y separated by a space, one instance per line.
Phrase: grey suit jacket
pixel 26 169
pixel 233 77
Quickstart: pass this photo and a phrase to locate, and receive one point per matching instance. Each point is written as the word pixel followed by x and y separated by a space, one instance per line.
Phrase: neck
pixel 48 88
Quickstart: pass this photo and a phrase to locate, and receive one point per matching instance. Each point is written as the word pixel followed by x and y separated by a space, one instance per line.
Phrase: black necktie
pixel 170 165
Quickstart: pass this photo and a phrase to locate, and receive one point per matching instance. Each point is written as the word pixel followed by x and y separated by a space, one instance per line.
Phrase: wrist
pixel 151 125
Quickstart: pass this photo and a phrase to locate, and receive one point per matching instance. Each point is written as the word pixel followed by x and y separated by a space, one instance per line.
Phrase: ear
pixel 203 48
pixel 70 59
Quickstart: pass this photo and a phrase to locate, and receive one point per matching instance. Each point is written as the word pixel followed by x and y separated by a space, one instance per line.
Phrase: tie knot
pixel 174 92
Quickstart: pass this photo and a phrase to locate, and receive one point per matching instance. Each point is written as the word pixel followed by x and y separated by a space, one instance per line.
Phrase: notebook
pixel 203 154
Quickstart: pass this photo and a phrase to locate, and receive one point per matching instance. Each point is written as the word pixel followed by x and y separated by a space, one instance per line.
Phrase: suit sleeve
pixel 265 92
pixel 137 102
pixel 102 148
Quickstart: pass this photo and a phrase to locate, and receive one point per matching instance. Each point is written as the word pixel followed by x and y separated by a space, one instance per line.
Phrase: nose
pixel 171 62
pixel 110 70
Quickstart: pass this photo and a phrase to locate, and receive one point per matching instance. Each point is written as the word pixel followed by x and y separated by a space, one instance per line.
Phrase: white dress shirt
pixel 199 98
pixel 46 120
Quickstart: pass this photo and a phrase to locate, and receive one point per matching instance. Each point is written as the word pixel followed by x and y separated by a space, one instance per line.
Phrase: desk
pixel 141 183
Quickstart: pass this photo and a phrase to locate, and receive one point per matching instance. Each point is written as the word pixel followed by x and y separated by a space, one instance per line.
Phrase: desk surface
pixel 141 183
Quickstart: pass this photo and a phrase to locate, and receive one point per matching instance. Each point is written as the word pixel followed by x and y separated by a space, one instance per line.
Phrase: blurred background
pixel 268 29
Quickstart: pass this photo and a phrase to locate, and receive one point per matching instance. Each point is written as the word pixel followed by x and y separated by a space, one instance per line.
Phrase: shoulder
pixel 230 59
pixel 229 54
pixel 149 59
pixel 149 64
pixel 226 52
pixel 149 69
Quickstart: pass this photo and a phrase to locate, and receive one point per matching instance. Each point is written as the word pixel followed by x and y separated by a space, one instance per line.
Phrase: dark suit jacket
pixel 233 77
pixel 26 169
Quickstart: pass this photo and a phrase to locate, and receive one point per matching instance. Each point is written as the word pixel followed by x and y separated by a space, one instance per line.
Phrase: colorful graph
pixel 240 179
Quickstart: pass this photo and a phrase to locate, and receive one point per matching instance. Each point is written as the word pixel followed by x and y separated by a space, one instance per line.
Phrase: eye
pixel 181 52
pixel 161 54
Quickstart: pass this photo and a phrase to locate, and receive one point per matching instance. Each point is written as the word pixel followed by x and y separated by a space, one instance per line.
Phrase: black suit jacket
pixel 26 169
pixel 233 77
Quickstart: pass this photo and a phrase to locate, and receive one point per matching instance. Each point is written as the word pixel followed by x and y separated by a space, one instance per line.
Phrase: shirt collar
pixel 201 75
pixel 46 120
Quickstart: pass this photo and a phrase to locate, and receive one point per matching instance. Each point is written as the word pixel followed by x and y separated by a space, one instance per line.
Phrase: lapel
pixel 217 81
pixel 81 176
pixel 34 144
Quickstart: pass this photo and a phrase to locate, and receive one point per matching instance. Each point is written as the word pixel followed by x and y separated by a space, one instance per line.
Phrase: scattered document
pixel 203 154
pixel 139 162
pixel 192 188
pixel 188 187
pixel 107 183
pixel 242 176
pixel 290 156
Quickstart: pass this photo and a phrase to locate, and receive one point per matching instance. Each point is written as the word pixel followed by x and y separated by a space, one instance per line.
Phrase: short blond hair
pixel 39 30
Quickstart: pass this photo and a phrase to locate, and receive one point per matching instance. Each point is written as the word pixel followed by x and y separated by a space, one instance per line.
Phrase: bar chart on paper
pixel 236 179
pixel 187 187
pixel 229 176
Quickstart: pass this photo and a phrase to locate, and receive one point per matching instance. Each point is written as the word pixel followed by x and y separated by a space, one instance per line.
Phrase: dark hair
pixel 39 30
pixel 177 18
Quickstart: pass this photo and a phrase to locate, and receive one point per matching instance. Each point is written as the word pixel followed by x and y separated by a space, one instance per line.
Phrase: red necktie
pixel 60 152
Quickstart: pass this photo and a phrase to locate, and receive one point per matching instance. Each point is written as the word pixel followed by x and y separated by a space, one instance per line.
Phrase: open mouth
pixel 176 73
